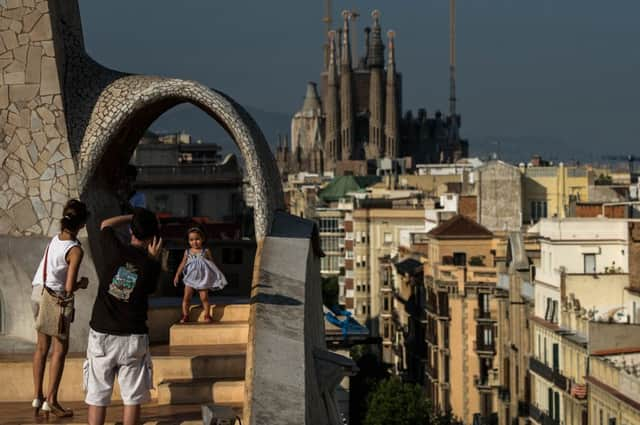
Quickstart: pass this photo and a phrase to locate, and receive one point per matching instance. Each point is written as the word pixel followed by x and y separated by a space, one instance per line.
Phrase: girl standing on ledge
pixel 200 274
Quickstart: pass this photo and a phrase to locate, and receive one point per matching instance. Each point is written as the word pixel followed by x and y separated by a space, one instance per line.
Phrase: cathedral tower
pixel 346 93
pixel 375 63
pixel 392 110
pixel 332 109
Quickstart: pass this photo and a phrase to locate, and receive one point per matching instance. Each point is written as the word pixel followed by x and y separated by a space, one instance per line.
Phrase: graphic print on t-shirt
pixel 124 282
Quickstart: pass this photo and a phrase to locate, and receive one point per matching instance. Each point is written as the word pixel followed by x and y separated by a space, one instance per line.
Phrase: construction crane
pixel 631 160
pixel 328 15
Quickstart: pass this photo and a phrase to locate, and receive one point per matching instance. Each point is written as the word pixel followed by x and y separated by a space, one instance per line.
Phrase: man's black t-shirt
pixel 127 276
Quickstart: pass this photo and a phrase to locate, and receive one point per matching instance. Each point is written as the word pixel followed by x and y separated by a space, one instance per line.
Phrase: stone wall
pixel 500 197
pixel 37 173
pixel 19 258
pixel 291 377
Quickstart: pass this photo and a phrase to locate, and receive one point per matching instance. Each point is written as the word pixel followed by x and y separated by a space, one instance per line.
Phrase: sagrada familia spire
pixel 357 117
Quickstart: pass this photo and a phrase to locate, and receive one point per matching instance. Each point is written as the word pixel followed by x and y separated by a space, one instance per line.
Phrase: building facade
pixel 461 319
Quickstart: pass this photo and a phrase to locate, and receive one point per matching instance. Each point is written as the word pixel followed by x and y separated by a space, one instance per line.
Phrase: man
pixel 118 338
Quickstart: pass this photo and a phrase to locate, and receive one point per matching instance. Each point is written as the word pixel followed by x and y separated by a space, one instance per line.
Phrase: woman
pixel 58 271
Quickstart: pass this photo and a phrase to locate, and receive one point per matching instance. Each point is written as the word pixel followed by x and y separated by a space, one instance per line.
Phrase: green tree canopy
pixel 394 402
pixel 330 291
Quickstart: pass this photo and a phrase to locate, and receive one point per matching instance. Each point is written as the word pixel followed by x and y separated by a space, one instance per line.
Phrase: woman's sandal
pixel 207 319
pixel 57 410
pixel 37 405
pixel 184 318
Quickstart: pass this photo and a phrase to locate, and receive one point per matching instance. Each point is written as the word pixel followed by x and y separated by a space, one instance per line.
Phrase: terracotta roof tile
pixel 460 227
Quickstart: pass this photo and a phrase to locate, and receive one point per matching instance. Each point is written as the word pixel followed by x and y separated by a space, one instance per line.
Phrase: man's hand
pixel 155 248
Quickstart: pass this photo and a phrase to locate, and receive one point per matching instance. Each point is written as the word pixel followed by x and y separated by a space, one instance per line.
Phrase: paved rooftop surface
pixel 22 413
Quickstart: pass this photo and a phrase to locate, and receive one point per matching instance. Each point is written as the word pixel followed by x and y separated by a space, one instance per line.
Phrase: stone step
pixel 209 333
pixel 164 312
pixel 204 390
pixel 221 313
pixel 178 362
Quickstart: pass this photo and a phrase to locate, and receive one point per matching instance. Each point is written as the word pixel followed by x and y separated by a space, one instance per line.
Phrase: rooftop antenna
pixel 452 58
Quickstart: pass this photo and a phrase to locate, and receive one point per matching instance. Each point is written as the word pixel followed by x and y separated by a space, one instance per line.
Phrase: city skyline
pixel 556 75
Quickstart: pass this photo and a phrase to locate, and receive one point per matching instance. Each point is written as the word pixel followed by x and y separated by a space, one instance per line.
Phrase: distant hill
pixel 517 149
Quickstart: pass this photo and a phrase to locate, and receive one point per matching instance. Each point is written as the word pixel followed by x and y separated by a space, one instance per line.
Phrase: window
pixel 556 407
pixel 162 203
pixel 551 311
pixel 556 356
pixel 330 243
pixel 483 303
pixel 459 259
pixel 539 346
pixel 538 210
pixel 348 255
pixel 388 238
pixel 590 263
pixel 487 336
pixel 330 263
pixel 194 205
pixel 385 304
pixel 329 225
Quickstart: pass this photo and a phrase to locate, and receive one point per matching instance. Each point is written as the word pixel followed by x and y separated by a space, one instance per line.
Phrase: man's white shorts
pixel 126 356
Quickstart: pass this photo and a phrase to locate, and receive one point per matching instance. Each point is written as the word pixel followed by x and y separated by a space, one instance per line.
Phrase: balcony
pixel 551 375
pixel 483 316
pixel 478 274
pixel 504 395
pixel 482 382
pixel 523 409
pixel 432 338
pixel 484 348
pixel 541 417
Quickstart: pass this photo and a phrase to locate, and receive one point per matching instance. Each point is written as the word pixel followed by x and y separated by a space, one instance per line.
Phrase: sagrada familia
pixel 358 115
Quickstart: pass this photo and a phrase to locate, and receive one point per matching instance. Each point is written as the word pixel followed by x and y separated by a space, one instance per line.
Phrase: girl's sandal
pixel 184 318
pixel 57 410
pixel 37 405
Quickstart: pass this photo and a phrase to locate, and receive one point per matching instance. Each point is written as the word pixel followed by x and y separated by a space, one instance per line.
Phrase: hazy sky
pixel 564 71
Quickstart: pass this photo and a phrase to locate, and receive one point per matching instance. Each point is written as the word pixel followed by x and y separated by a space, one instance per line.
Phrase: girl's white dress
pixel 200 273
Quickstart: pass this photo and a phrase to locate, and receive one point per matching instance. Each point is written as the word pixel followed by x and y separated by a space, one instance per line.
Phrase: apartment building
pixel 461 313
pixel 380 228
pixel 550 189
pixel 583 281
pixel 614 389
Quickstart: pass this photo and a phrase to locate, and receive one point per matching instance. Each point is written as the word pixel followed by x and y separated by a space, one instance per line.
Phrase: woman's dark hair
pixel 74 215
pixel 144 224
pixel 198 230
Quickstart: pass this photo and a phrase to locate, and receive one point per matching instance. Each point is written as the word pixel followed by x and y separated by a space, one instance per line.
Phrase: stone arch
pixel 128 105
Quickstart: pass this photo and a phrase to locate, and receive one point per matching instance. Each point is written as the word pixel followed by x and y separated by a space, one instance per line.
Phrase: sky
pixel 560 75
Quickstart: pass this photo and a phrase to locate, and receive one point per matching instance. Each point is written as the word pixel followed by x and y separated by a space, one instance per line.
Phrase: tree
pixel 330 290
pixel 394 402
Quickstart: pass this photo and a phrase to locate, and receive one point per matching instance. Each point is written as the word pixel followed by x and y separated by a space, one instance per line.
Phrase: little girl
pixel 199 274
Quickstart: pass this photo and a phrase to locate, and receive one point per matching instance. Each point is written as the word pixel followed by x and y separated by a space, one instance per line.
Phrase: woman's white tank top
pixel 57 266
